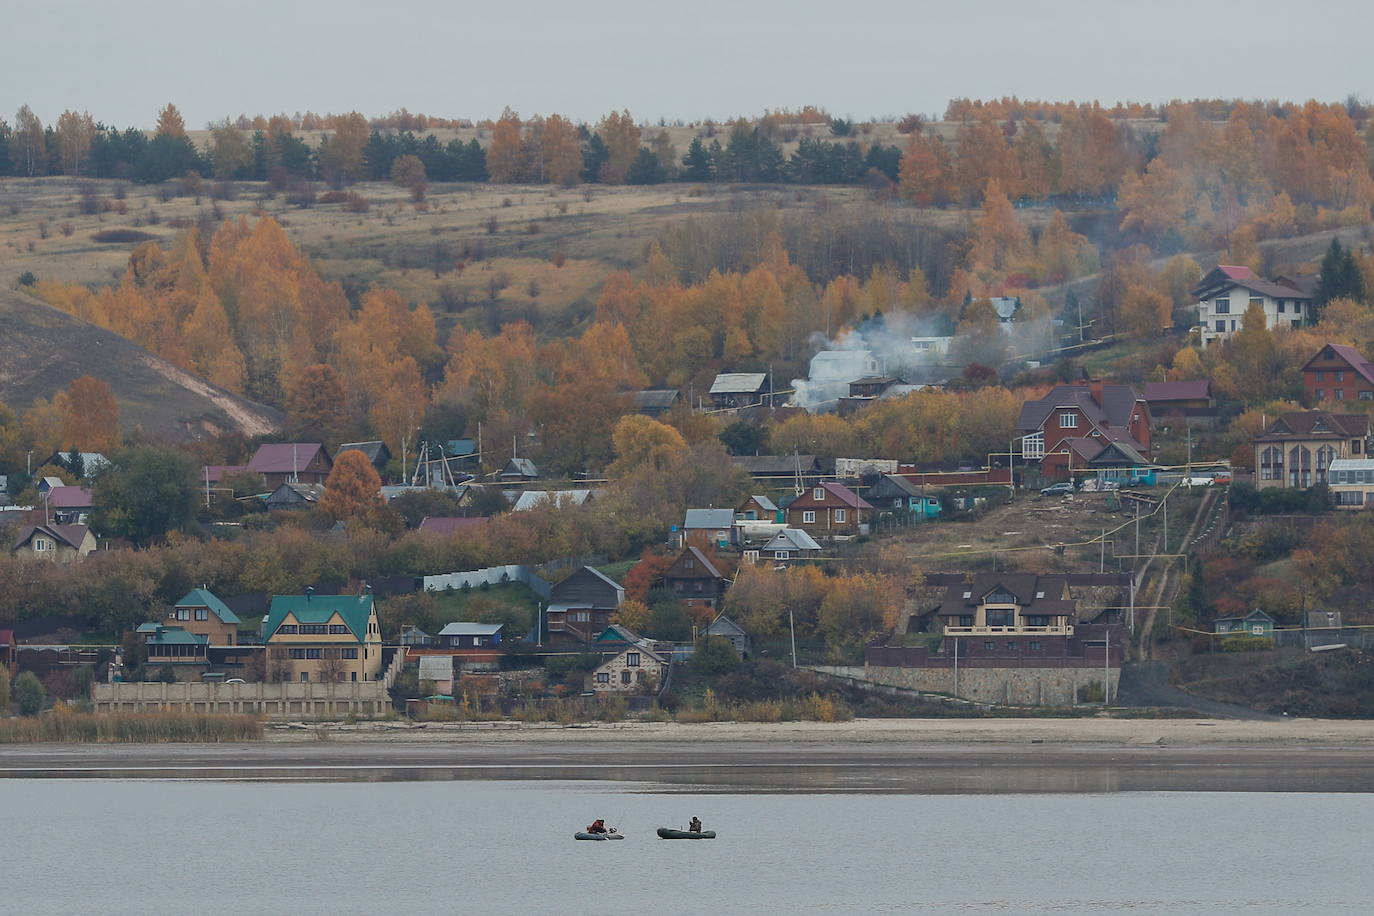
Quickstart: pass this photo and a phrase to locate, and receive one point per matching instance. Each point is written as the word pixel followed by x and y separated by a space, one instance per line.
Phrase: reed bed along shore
pixel 129 727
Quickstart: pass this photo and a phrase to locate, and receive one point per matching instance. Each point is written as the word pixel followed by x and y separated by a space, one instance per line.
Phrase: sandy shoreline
pixel 1014 732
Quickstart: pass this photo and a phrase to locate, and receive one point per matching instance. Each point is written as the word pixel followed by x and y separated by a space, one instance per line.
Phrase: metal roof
pixel 471 629
pixel 739 382
pixel 792 539
pixel 353 610
pixel 203 597
pixel 709 518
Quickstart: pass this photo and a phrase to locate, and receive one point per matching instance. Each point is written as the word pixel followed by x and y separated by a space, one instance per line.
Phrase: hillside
pixel 42 350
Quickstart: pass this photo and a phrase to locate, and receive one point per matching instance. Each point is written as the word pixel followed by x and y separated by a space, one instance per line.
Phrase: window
pixel 1257 300
pixel 1325 455
pixel 305 677
pixel 1339 393
pixel 202 613
pixel 603 677
pixel 689 563
pixel 314 629
pixel 352 675
pixel 348 653
pixel 1035 645
pixel 839 516
pixel 314 653
pixel 1321 375
pixel 1355 446
pixel 1282 303
pixel 1297 308
pixel 968 594
pixel 298 653
pixel 626 677
pixel 1350 499
pixel 1011 645
pixel 1000 617
pixel 897 503
pixel 40 544
pixel 1038 620
pixel 1033 446
pixel 632 659
pixel 183 613
pixel 1340 375
pixel 989 646
pixel 1039 595
pixel 781 555
pixel 338 629
pixel 966 620
pixel 1068 420
pixel 1367 395
pixel 287 628
pixel 818 493
pixel 1221 306
pixel 1300 467
pixel 1233 324
pixel 1319 394
pixel 809 517
pixel 1221 326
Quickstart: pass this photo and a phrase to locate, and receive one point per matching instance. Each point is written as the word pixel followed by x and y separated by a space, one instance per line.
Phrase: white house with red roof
pixel 1225 294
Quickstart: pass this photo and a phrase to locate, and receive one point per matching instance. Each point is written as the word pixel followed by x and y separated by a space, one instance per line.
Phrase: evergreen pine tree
pixel 646 169
pixel 697 164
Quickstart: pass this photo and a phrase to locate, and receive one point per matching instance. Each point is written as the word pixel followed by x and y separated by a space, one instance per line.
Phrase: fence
pixel 362 699
pixel 492 575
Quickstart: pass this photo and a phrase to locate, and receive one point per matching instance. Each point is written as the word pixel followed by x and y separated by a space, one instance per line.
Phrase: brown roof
pixel 1115 410
pixel 1035 594
pixel 284 457
pixel 1316 424
pixel 838 490
pixel 1227 276
pixel 1195 390
pixel 70 498
pixel 71 535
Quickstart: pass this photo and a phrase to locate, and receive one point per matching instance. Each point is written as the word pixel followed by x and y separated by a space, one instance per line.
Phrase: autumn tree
pixel 640 441
pixel 315 404
pixel 408 172
pixel 1145 312
pixel 620 134
pixel 231 155
pixel 90 415
pixel 341 153
pixel 28 145
pixel 506 153
pixel 74 135
pixel 352 489
pixel 926 174
pixel 170 123
pixel 554 151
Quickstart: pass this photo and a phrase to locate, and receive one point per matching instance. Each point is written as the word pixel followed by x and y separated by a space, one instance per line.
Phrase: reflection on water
pixel 455 842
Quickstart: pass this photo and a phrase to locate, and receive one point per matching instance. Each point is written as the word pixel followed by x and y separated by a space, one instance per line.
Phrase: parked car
pixel 1058 489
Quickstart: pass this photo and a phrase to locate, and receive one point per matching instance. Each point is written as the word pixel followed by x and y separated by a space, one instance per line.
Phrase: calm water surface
pixel 185 846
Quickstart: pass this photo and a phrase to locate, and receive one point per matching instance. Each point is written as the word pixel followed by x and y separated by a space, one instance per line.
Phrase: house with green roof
pixel 173 647
pixel 327 638
pixel 203 614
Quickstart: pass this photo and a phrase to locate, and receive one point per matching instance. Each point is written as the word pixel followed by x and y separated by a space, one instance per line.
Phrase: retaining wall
pixel 362 699
pixel 1003 686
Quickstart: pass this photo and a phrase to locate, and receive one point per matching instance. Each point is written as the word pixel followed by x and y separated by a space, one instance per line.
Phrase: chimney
pixel 1095 389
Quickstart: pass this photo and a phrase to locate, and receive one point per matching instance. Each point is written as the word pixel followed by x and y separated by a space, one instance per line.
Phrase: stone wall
pixel 1004 686
pixel 364 699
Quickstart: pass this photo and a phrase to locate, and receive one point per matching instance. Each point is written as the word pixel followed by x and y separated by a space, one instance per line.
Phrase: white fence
pixel 491 576
pixel 361 699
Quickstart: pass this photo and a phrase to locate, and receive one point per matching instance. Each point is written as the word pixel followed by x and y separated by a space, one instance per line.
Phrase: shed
pixel 726 628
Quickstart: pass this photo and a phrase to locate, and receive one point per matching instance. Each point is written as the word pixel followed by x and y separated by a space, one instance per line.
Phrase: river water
pixel 155 846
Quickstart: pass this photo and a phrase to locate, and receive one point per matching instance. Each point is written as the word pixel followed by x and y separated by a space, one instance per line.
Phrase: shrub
pixel 4 691
pixel 27 278
pixel 29 693
pixel 142 727
pixel 715 655
pixel 122 237
pixel 1244 642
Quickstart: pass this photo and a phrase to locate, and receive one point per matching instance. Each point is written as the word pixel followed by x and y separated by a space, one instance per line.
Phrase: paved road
pixel 1147 684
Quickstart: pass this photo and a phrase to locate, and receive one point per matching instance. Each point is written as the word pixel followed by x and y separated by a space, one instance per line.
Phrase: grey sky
pixel 123 59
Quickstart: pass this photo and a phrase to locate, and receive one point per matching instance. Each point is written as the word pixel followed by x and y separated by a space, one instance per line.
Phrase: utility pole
pixel 1102 561
pixel 1166 524
pixel 792 624
pixel 1107 666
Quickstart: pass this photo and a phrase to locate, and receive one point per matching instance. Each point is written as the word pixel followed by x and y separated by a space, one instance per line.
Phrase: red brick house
pixel 1338 373
pixel 830 510
pixel 1093 411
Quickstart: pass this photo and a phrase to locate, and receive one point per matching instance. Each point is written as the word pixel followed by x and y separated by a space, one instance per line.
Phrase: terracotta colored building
pixel 1097 412
pixel 830 510
pixel 1337 373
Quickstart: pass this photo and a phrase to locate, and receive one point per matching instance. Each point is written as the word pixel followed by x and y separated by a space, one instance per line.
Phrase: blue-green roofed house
pixel 314 637
pixel 170 646
pixel 202 613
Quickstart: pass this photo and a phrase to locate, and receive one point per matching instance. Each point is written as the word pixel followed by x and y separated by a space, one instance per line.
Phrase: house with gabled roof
pixel 1188 398
pixel 695 579
pixel 57 543
pixel 830 509
pixel 581 606
pixel 789 544
pixel 636 669
pixel 900 496
pixel 375 451
pixel 1298 448
pixel 70 505
pixel 328 638
pixel 292 495
pixel 297 462
pixel 1337 373
pixel 779 469
pixel 654 402
pixel 202 613
pixel 1255 623
pixel 708 528
pixel 737 636
pixel 1228 291
pixel 758 508
pixel 519 470
pixel 185 653
pixel 732 390
pixel 1092 411
pixel 558 499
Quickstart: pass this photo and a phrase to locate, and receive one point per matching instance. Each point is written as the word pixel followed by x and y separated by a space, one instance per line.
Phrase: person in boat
pixel 598 826
pixel 694 825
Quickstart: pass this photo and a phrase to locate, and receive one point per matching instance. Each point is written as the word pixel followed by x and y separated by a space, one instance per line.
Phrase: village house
pixel 1181 400
pixel 70 505
pixel 1338 373
pixel 1255 623
pixel 712 528
pixel 57 543
pixel 732 390
pixel 449 525
pixel 323 638
pixel 790 544
pixel 1095 412
pixel 295 462
pixel 654 402
pixel 830 510
pixel 291 495
pixel 758 508
pixel 733 633
pixel 1352 483
pixel 465 635
pixel 201 613
pixel 896 495
pixel 635 670
pixel 1298 448
pixel 695 579
pixel 581 606
pixel 519 470
pixel 1016 638
pixel 375 451
pixel 559 499
pixel 91 462
pixel 1225 294
pixel 174 648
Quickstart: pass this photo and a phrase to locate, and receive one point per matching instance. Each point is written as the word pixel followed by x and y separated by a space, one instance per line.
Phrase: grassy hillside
pixel 42 350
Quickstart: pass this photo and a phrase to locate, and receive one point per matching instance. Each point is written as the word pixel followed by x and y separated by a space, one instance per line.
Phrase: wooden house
pixel 830 510
pixel 290 495
pixel 581 606
pixel 737 636
pixel 376 452
pixel 297 462
pixel 732 390
pixel 1255 623
pixel 695 579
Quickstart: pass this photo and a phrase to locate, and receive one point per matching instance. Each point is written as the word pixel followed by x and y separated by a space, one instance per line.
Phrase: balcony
pixel 1064 630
